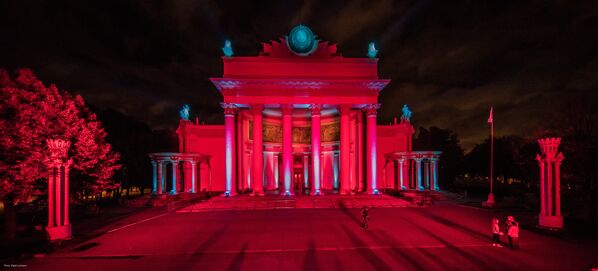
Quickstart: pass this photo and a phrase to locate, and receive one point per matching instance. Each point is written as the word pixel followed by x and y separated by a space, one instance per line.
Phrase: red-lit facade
pixel 301 124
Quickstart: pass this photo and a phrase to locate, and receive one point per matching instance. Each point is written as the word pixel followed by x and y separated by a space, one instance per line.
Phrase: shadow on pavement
pixel 365 252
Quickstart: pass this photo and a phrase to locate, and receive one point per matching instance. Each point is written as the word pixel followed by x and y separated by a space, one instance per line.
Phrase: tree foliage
pixel 451 160
pixel 31 113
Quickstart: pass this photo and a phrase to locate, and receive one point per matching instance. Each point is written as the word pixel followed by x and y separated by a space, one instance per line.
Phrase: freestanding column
pixel 258 151
pixel 162 173
pixel 59 226
pixel 435 174
pixel 154 177
pixel 550 214
pixel 305 172
pixel 316 188
pixel 345 170
pixel 402 187
pixel 175 165
pixel 371 148
pixel 287 148
pixel 229 147
pixel 193 176
pixel 360 151
pixel 418 168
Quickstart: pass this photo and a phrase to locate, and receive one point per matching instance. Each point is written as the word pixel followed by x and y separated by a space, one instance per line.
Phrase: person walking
pixel 366 216
pixel 496 233
pixel 513 232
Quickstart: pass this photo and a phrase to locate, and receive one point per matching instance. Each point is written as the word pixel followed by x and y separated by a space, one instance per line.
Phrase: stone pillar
pixel 359 151
pixel 371 148
pixel 305 172
pixel 316 188
pixel 59 226
pixel 550 194
pixel 258 151
pixel 193 176
pixel 229 148
pixel 345 162
pixel 287 148
pixel 418 169
pixel 276 171
pixel 154 177
pixel 162 173
pixel 401 178
pixel 175 166
pixel 434 174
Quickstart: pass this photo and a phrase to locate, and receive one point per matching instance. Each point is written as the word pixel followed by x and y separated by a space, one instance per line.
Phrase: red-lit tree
pixel 31 113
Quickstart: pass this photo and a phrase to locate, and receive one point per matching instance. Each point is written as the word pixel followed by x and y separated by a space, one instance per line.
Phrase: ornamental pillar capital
pixel 229 108
pixel 316 109
pixel 257 108
pixel 287 109
pixel 344 108
pixel 371 109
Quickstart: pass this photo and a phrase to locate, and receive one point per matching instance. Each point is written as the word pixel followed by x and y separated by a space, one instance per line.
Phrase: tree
pixel 31 113
pixel 451 160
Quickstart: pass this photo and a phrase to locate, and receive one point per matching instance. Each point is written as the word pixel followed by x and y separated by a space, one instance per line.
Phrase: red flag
pixel 490 118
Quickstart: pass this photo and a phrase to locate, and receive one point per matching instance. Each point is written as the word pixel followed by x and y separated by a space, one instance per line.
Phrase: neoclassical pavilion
pixel 300 118
pixel 178 182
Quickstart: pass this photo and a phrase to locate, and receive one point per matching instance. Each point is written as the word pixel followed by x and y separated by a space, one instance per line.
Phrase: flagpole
pixel 491 202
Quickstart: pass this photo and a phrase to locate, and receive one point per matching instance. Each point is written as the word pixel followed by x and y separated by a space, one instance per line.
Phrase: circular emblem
pixel 302 41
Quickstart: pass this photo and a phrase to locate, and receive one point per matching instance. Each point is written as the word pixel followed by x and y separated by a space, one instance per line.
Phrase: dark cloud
pixel 449 60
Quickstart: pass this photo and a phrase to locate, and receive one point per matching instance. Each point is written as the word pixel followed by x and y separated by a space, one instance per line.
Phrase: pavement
pixel 441 237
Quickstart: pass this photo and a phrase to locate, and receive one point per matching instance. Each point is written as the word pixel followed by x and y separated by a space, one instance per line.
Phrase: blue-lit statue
pixel 184 112
pixel 227 49
pixel 372 51
pixel 406 117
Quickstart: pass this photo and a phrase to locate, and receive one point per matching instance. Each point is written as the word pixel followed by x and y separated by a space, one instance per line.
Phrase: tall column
pixel 193 176
pixel 287 148
pixel 550 215
pixel 359 151
pixel 305 172
pixel 59 226
pixel 401 180
pixel 371 148
pixel 258 150
pixel 345 170
pixel 229 148
pixel 316 188
pixel 276 171
pixel 434 174
pixel 549 199
pixel 557 183
pixel 154 177
pixel 162 169
pixel 541 163
pixel 175 166
pixel 418 168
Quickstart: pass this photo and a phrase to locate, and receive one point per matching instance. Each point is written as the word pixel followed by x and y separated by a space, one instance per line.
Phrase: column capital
pixel 257 108
pixel 344 108
pixel 287 109
pixel 316 109
pixel 371 109
pixel 229 108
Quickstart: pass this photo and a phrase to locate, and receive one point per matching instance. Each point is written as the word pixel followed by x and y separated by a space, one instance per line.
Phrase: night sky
pixel 449 60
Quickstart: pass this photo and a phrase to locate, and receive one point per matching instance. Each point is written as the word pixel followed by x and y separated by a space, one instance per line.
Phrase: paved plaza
pixel 440 237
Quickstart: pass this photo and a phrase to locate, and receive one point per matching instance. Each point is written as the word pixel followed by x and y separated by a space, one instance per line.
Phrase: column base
pixel 259 194
pixel 490 202
pixel 436 188
pixel 317 193
pixel 374 192
pixel 173 192
pixel 403 187
pixel 420 188
pixel 287 193
pixel 228 194
pixel 59 232
pixel 550 221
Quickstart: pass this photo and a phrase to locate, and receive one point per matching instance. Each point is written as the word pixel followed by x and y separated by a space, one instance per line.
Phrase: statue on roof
pixel 227 49
pixel 184 112
pixel 372 51
pixel 406 117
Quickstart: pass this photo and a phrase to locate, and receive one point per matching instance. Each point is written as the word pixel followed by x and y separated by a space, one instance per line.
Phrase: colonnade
pixel 257 159
pixel 412 170
pixel 161 160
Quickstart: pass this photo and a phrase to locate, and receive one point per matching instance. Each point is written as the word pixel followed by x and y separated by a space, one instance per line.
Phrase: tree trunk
pixel 10 221
pixel 128 190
